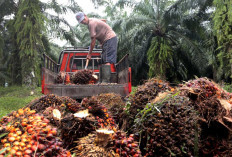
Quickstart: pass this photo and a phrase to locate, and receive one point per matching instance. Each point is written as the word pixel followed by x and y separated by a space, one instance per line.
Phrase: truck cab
pixel 73 59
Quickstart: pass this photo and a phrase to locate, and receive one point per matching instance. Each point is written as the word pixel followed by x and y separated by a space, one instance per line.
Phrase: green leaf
pixel 2 135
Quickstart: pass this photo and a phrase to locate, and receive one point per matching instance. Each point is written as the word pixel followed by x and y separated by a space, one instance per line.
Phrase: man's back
pixel 100 30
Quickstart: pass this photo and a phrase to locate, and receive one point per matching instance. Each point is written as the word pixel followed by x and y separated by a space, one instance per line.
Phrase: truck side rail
pixel 122 70
pixel 50 63
pixel 122 64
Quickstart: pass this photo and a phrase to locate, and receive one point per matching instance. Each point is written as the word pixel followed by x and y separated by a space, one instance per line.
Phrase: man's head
pixel 82 18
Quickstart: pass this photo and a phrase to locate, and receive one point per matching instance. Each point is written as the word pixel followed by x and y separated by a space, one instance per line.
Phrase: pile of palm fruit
pixel 107 143
pixel 144 94
pixel 74 127
pixel 215 116
pixel 191 119
pixel 83 77
pixel 168 127
pixel 29 134
pixel 114 103
pixel 98 110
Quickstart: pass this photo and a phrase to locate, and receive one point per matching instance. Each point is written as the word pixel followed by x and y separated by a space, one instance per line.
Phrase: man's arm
pixel 93 41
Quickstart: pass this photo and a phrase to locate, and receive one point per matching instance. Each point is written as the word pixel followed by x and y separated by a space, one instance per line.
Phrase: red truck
pixel 74 59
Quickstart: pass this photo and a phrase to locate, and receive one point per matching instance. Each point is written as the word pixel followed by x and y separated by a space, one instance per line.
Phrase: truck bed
pixel 121 79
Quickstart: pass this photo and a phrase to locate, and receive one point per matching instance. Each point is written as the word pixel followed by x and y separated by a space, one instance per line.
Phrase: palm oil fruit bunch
pixel 4 121
pixel 211 110
pixel 60 77
pixel 215 146
pixel 82 77
pixel 113 102
pixel 215 139
pixel 144 94
pixel 168 128
pixel 72 128
pixel 87 147
pixel 98 110
pixel 71 104
pixel 203 88
pixel 45 102
pixel 30 135
pixel 148 91
pixel 125 146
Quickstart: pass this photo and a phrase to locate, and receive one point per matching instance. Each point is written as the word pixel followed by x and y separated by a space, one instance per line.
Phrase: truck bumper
pixel 81 91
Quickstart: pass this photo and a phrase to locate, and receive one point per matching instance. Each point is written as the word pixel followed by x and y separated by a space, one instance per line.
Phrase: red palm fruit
pixel 53 131
pixel 59 143
pixel 57 148
pixel 124 153
pixel 129 140
pixel 127 149
pixel 132 152
pixel 46 120
pixel 117 142
pixel 138 152
pixel 28 151
pixel 49 136
pixel 19 153
pixel 41 147
pixel 13 151
pixel 48 152
pixel 124 142
pixel 134 145
pixel 117 150
pixel 34 148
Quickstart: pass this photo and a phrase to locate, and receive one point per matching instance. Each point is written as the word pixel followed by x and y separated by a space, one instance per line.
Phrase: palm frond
pixel 145 9
pixel 137 20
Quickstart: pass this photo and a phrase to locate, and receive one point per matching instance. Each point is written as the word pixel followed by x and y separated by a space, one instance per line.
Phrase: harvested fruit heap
pixel 83 77
pixel 99 111
pixel 143 95
pixel 195 119
pixel 104 144
pixel 113 102
pixel 147 92
pixel 44 102
pixel 167 128
pixel 214 105
pixel 29 134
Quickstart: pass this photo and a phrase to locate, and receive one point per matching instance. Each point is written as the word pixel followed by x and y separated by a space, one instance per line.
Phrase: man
pixel 102 32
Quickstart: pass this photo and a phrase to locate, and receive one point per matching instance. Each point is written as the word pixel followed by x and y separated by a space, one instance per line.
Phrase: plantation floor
pixel 15 97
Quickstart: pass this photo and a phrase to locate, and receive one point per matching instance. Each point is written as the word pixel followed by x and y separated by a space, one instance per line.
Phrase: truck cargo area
pixel 120 77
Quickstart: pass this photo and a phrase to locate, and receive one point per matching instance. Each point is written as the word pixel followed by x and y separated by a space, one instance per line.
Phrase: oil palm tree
pixel 222 20
pixel 57 26
pixel 158 31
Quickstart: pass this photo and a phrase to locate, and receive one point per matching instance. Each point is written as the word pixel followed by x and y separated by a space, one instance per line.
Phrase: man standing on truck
pixel 102 32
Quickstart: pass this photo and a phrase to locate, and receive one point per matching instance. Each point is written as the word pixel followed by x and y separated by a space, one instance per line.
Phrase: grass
pixel 133 90
pixel 228 87
pixel 15 97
